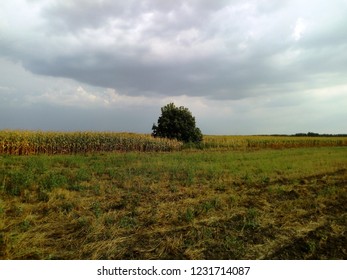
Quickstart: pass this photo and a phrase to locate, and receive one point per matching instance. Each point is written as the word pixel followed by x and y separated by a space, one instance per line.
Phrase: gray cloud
pixel 216 50
pixel 220 50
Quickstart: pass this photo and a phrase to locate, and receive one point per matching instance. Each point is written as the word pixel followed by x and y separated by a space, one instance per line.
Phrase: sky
pixel 240 67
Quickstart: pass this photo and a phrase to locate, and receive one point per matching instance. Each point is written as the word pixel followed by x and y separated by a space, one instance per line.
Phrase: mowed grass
pixel 190 204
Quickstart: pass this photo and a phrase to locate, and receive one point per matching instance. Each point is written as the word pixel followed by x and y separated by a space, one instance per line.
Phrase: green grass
pixel 190 204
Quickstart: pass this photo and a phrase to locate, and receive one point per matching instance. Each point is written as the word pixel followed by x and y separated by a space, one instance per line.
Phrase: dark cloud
pixel 156 47
pixel 73 16
pixel 179 47
pixel 226 51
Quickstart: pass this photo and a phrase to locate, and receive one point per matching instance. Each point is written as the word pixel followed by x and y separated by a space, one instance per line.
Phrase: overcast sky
pixel 241 67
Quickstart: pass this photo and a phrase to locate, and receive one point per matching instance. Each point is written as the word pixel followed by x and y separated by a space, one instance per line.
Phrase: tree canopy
pixel 177 123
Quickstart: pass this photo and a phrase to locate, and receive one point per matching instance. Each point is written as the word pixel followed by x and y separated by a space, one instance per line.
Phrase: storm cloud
pixel 267 56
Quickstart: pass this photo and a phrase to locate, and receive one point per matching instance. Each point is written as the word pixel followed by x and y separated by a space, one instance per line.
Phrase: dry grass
pixel 264 204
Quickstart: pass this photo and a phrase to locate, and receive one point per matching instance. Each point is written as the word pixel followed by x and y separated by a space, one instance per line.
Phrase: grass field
pixel 221 202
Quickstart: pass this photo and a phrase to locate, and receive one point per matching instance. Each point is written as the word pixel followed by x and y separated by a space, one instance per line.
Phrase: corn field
pixel 16 142
pixel 271 142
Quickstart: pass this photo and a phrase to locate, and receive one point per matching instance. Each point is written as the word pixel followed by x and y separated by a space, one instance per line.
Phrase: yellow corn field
pixel 272 142
pixel 20 142
pixel 17 142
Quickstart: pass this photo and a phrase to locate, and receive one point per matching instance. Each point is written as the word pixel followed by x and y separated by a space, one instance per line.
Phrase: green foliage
pixel 96 209
pixel 16 182
pixel 128 221
pixel 177 123
pixel 52 180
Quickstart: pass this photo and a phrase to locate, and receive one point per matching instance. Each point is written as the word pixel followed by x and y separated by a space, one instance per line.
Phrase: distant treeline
pixel 311 134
